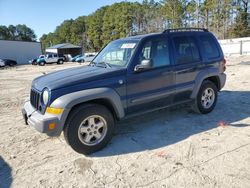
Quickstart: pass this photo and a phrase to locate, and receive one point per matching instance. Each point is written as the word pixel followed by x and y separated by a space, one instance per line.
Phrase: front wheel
pixel 206 98
pixel 89 128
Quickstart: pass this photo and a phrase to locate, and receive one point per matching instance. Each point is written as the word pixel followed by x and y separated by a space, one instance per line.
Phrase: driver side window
pixel 146 51
pixel 157 51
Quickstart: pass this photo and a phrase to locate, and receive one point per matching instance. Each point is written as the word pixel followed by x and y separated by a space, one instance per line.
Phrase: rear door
pixel 188 63
pixel 55 58
pixel 151 88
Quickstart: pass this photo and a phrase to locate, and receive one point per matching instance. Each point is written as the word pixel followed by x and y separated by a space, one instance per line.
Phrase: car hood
pixel 74 76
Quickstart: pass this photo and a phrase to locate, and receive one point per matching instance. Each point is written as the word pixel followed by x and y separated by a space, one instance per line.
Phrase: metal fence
pixel 238 46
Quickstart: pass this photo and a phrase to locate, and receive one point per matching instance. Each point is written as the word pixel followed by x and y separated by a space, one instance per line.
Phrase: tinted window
pixel 209 47
pixel 157 51
pixel 186 50
pixel 50 56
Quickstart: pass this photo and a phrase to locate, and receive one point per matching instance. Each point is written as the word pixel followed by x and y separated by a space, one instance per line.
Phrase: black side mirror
pixel 144 65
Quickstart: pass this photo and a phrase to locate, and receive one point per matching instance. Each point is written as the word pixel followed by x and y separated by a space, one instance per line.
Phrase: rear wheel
pixel 206 98
pixel 89 128
pixel 60 61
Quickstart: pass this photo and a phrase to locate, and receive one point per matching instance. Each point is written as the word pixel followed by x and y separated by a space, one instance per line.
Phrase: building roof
pixel 63 46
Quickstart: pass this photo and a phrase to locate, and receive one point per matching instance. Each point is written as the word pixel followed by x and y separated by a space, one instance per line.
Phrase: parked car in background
pixel 49 59
pixel 73 59
pixel 7 62
pixel 67 57
pixel 2 64
pixel 85 58
pixel 34 61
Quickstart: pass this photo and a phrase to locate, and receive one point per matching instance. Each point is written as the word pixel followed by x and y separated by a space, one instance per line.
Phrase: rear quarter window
pixel 210 47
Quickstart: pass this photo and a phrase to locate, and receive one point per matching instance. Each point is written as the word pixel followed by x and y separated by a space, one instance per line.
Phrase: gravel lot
pixel 168 148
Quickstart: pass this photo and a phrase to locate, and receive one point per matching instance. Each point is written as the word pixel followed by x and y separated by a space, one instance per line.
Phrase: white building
pixel 20 51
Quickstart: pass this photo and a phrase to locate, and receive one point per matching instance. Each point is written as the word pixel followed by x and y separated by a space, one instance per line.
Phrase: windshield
pixel 116 53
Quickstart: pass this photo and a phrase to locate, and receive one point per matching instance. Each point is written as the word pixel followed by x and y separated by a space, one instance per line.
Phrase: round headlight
pixel 45 97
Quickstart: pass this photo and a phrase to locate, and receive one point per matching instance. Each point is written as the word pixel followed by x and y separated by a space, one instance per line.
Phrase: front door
pixel 154 87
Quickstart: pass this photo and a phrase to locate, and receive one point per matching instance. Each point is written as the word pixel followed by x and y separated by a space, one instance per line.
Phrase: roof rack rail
pixel 185 29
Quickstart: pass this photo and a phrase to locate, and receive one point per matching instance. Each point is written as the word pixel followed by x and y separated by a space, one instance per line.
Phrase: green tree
pixel 63 31
pixel 24 33
pixel 4 32
pixel 190 13
pixel 117 26
pixel 173 11
pixel 77 30
pixel 241 27
pixel 18 32
pixel 94 29
pixel 223 17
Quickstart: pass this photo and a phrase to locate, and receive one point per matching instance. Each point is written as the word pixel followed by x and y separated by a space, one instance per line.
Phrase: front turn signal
pixel 54 110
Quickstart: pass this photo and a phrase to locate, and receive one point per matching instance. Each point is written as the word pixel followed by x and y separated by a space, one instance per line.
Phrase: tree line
pixel 18 32
pixel 225 18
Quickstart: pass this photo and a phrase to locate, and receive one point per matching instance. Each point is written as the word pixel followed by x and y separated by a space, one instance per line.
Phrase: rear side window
pixel 209 47
pixel 186 50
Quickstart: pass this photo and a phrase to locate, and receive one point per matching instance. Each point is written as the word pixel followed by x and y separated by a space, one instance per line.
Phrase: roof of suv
pixel 167 31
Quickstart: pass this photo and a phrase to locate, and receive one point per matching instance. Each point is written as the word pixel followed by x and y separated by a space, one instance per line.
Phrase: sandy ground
pixel 168 148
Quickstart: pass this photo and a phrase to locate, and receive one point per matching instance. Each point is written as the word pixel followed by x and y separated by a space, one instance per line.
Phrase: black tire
pixel 60 61
pixel 76 117
pixel 198 106
pixel 42 63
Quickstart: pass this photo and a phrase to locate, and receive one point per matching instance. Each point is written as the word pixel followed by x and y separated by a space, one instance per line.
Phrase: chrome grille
pixel 34 98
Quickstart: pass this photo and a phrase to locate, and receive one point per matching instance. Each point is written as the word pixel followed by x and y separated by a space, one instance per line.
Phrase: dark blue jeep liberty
pixel 129 76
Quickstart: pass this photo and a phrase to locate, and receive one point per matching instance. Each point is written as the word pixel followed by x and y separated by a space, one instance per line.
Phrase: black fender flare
pixel 68 101
pixel 201 77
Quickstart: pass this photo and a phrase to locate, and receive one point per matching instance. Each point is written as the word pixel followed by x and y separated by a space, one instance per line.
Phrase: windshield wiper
pixel 100 64
pixel 104 63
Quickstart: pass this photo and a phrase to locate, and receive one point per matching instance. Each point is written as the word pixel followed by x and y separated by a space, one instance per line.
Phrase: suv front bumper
pixel 42 122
